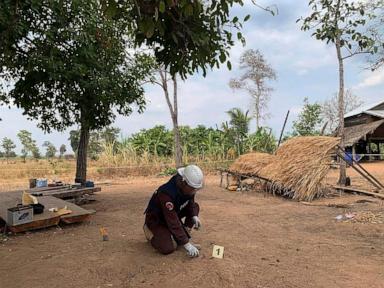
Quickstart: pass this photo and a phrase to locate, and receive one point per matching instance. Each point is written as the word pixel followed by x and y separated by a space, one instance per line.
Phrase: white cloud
pixel 291 48
pixel 371 79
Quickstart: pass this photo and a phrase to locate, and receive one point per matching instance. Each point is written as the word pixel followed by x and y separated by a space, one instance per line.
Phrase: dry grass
pixel 298 169
pixel 251 162
pixel 16 174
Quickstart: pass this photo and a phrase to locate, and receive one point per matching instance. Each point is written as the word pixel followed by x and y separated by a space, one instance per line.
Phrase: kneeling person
pixel 172 202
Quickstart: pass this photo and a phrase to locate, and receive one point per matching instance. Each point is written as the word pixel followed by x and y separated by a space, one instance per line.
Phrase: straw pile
pixel 251 163
pixel 298 168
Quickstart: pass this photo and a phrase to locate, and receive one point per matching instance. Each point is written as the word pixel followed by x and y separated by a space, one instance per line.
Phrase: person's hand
pixel 196 222
pixel 192 251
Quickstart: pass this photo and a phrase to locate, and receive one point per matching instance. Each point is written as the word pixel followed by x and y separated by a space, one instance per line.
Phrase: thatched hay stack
pixel 251 163
pixel 298 169
pixel 300 166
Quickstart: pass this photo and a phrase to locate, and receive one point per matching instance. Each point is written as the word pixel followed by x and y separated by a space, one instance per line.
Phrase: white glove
pixel 192 251
pixel 196 222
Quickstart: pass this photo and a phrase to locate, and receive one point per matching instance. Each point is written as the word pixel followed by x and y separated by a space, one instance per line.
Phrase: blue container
pixel 41 183
pixel 89 184
pixel 348 157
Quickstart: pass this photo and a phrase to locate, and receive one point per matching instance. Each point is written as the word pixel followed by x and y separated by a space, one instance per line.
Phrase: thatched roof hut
pixel 298 168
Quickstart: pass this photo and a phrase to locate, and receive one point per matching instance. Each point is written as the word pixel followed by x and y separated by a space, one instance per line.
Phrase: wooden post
pixel 361 173
pixel 282 130
pixel 378 150
pixel 353 151
pixel 221 178
pixel 369 149
pixel 241 185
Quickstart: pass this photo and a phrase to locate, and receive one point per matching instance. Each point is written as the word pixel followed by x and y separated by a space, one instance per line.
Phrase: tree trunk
pixel 343 172
pixel 81 164
pixel 257 123
pixel 176 131
pixel 178 152
pixel 257 112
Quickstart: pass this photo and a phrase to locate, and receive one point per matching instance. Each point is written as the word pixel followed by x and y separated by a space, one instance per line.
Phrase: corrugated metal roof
pixel 364 109
pixel 377 113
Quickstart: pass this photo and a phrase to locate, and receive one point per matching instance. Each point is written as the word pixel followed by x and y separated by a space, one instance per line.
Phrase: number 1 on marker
pixel 218 252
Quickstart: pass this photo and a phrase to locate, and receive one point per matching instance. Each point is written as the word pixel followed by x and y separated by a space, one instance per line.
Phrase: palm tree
pixel 239 124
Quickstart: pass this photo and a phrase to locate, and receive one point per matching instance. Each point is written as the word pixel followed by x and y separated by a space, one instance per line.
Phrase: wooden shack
pixel 364 132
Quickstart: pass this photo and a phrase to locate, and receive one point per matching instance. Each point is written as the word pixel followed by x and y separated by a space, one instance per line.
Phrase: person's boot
pixel 174 242
pixel 148 233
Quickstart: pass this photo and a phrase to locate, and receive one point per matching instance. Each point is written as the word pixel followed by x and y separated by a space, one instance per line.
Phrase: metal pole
pixel 282 130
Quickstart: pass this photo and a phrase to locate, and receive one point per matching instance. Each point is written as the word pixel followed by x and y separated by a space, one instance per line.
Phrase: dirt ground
pixel 269 242
pixel 375 168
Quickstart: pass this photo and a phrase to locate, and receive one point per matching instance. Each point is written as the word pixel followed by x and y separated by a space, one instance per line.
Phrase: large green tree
pixel 70 63
pixel 96 141
pixel 188 36
pixel 341 23
pixel 74 68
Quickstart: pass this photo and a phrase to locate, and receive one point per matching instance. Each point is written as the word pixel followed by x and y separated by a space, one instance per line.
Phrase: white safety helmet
pixel 192 175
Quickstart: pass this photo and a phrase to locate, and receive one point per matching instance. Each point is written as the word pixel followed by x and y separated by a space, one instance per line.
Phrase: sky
pixel 305 67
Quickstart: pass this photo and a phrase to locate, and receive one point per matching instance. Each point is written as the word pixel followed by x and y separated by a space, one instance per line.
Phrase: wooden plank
pixel 71 193
pixel 351 189
pixel 47 218
pixel 40 189
pixel 45 190
pixel 11 199
pixel 39 222
pixel 78 214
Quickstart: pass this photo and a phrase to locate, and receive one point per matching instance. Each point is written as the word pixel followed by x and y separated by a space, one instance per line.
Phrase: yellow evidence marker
pixel 218 251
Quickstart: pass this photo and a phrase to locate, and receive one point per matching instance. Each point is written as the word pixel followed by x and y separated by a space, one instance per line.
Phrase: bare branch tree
pixel 254 80
pixel 330 109
pixel 165 78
